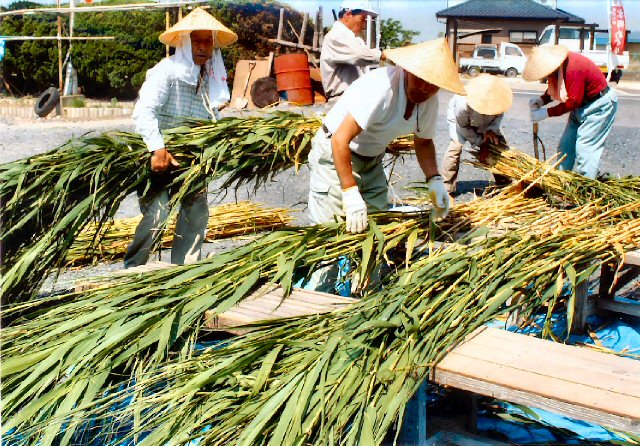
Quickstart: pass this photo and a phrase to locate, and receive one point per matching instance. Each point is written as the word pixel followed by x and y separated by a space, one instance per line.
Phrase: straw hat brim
pixel 543 61
pixel 489 95
pixel 198 20
pixel 431 61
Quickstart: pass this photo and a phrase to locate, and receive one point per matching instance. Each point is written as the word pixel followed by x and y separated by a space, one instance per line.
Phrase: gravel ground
pixel 22 138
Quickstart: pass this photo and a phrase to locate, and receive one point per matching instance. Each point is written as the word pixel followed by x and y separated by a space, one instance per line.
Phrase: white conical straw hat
pixel 198 20
pixel 543 61
pixel 489 95
pixel 431 61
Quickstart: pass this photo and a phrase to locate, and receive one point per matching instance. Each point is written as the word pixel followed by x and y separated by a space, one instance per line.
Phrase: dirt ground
pixel 21 138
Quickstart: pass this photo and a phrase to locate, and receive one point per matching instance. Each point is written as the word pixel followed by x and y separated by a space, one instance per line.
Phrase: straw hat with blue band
pixel 431 61
pixel 199 20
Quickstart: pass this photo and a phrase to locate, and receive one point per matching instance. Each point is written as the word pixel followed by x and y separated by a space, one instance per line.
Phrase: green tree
pixel 393 35
pixel 116 68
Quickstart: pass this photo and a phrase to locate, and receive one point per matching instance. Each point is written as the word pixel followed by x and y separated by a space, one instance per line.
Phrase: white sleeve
pixel 152 96
pixel 494 126
pixel 463 123
pixel 428 116
pixel 345 49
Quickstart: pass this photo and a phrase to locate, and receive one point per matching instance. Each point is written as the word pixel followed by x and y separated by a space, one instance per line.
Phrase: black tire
pixel 46 102
pixel 511 72
pixel 473 71
pixel 264 92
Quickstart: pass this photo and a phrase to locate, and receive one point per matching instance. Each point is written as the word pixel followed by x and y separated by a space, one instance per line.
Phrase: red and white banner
pixel 618 30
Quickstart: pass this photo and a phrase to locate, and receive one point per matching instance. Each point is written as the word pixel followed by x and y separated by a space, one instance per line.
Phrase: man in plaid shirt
pixel 189 84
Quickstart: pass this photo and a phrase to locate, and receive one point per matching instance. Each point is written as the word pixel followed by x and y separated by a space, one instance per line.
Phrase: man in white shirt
pixel 475 119
pixel 344 53
pixel 347 178
pixel 189 84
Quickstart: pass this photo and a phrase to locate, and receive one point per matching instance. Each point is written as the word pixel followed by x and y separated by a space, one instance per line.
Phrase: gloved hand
pixel 355 210
pixel 539 115
pixel 439 198
pixel 535 104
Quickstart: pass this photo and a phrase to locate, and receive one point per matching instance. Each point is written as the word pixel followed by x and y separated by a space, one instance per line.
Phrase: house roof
pixel 507 9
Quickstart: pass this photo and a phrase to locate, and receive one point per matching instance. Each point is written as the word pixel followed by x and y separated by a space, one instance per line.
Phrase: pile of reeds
pixel 343 377
pixel 225 221
pixel 563 186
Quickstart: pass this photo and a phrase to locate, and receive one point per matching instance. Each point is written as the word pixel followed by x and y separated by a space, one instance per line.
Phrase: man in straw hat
pixel 475 119
pixel 344 53
pixel 582 90
pixel 189 84
pixel 347 176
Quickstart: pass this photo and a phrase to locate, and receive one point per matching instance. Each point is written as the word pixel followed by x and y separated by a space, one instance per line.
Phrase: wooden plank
pixel 632 258
pixel 544 374
pixel 554 365
pixel 268 303
pixel 92 283
pixel 619 307
pixel 515 341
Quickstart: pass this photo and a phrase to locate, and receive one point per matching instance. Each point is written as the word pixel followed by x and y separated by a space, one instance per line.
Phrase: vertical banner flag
pixel 618 31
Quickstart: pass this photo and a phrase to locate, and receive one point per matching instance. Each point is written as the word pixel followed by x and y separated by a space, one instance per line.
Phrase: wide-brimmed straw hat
pixel 489 95
pixel 431 61
pixel 198 20
pixel 543 61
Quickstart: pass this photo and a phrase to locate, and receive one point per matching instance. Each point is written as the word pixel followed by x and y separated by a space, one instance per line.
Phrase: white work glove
pixel 535 104
pixel 439 198
pixel 355 210
pixel 539 115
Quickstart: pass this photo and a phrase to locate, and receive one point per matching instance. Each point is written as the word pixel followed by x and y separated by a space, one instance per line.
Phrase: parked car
pixel 505 58
pixel 570 37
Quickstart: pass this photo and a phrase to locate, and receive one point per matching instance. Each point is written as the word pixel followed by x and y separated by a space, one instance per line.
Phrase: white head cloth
pixel 217 88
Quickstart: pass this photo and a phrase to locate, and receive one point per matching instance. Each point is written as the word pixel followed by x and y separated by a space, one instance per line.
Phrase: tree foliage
pixel 393 35
pixel 116 68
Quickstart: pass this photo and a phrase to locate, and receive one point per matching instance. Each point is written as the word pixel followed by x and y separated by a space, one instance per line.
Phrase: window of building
pixel 486 38
pixel 523 36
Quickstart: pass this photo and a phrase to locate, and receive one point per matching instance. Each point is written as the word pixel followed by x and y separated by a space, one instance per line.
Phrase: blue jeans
pixel 584 136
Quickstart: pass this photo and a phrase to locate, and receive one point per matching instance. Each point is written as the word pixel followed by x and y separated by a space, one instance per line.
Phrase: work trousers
pixel 584 136
pixel 191 227
pixel 325 193
pixel 451 164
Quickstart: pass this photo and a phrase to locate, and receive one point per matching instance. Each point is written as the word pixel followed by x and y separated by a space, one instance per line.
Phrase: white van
pixel 570 37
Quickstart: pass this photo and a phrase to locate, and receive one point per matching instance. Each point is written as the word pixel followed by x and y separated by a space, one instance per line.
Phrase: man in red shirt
pixel 582 90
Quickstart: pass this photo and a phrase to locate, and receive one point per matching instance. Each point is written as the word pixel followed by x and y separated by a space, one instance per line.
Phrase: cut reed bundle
pixel 345 377
pixel 56 359
pixel 48 199
pixel 565 185
pixel 228 220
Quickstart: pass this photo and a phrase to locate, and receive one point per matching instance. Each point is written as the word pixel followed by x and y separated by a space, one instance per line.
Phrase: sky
pixel 419 15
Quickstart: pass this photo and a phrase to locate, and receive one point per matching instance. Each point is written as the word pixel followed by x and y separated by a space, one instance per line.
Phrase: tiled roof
pixel 507 9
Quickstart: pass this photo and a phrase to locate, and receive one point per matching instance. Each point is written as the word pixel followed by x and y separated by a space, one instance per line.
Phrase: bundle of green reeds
pixel 566 185
pixel 343 377
pixel 228 220
pixel 58 358
pixel 48 199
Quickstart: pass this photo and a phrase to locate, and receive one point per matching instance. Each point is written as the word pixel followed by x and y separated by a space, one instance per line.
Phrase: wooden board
pixel 580 383
pixel 87 284
pixel 268 303
pixel 247 72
